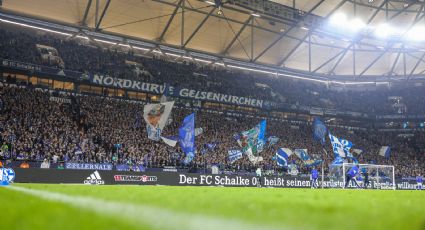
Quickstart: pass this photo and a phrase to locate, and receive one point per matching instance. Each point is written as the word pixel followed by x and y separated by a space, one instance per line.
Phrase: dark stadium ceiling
pixel 293 34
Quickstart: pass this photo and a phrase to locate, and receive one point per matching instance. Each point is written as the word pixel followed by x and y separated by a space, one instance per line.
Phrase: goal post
pixel 380 176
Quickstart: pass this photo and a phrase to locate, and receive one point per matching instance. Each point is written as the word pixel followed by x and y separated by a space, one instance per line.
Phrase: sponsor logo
pixel 143 178
pixel 94 178
pixel 7 175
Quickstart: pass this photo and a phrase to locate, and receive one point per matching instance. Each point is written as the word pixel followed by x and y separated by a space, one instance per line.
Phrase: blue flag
pixel 319 131
pixel 340 147
pixel 234 155
pixel 187 138
pixel 385 151
pixel 307 160
pixel 282 156
pixel 273 140
pixel 338 161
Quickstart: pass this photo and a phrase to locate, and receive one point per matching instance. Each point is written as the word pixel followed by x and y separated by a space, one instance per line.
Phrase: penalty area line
pixel 154 217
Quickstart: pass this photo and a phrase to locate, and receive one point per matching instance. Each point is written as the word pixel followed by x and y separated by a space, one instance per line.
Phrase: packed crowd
pixel 122 62
pixel 89 128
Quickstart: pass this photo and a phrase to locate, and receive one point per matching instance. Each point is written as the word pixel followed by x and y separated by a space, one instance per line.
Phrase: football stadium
pixel 212 114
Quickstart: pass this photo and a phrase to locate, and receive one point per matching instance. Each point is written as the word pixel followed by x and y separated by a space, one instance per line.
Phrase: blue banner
pixel 187 138
pixel 172 91
pixel 234 155
pixel 319 131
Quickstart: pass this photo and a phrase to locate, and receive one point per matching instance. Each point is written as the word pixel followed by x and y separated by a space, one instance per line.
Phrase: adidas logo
pixel 94 178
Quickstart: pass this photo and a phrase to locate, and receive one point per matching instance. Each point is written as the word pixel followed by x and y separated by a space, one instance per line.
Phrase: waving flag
pixel 252 141
pixel 187 138
pixel 385 151
pixel 338 161
pixel 234 155
pixel 171 141
pixel 319 130
pixel 282 156
pixel 198 131
pixel 273 140
pixel 340 147
pixel 307 160
pixel 156 117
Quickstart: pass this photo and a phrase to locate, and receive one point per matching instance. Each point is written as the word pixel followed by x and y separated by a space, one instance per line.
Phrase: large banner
pixel 156 117
pixel 97 177
pixel 179 92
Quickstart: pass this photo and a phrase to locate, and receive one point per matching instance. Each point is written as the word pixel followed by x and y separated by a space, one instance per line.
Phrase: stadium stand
pixel 87 127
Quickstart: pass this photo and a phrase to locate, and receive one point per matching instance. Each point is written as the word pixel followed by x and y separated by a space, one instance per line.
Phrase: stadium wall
pixel 57 176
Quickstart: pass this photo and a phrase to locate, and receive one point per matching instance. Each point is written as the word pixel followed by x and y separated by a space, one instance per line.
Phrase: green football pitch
pixel 39 206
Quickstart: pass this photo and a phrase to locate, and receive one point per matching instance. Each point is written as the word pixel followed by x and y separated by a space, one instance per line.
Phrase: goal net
pixel 379 176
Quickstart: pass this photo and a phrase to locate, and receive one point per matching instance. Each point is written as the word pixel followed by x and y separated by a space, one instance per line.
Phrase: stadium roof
pixel 292 34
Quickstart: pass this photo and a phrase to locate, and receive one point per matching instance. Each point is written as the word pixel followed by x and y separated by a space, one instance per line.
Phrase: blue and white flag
pixel 385 151
pixel 282 156
pixel 208 147
pixel 156 117
pixel 187 137
pixel 305 158
pixel 171 141
pixel 319 131
pixel 198 131
pixel 338 161
pixel 340 147
pixel 273 140
pixel 234 155
pixel 357 151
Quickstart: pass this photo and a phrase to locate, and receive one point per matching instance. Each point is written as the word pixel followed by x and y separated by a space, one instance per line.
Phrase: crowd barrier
pixel 57 176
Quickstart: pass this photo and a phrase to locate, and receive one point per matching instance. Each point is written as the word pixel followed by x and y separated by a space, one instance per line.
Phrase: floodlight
pixel 383 31
pixel 356 25
pixel 416 33
pixel 338 19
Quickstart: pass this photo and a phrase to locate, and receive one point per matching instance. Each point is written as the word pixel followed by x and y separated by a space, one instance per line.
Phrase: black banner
pixel 57 176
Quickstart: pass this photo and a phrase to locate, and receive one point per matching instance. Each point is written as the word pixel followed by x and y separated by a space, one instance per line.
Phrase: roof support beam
pixel 328 61
pixel 198 28
pixel 96 15
pixel 161 37
pixel 352 44
pixel 417 64
pixel 237 35
pixel 390 45
pixel 342 57
pixel 252 39
pixel 103 14
pixel 308 35
pixel 182 25
pixel 395 63
pixel 83 22
pixel 291 28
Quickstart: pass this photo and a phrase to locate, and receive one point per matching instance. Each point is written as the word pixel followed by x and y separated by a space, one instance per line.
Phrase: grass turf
pixel 292 208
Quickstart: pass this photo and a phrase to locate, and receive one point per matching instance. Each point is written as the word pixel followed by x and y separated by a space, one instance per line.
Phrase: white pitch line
pixel 154 217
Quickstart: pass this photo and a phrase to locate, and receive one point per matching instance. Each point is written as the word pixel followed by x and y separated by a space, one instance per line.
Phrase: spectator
pixel 45 164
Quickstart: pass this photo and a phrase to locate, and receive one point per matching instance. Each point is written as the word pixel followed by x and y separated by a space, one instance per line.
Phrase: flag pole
pixel 323 162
